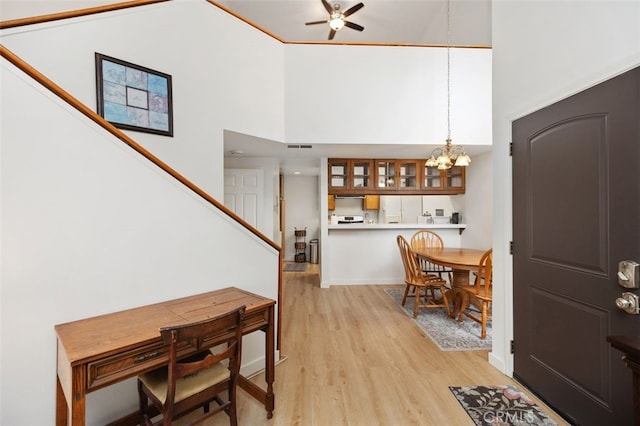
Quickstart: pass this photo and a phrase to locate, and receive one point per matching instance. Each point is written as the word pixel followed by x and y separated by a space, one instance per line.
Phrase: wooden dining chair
pixel 419 284
pixel 193 382
pixel 479 295
pixel 425 239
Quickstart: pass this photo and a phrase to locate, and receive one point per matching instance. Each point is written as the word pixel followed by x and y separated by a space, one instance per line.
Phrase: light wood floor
pixel 354 358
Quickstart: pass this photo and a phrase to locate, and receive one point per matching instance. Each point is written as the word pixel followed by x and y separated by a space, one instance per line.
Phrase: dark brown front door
pixel 576 214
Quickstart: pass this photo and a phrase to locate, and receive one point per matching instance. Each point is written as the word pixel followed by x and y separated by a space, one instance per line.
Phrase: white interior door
pixel 243 189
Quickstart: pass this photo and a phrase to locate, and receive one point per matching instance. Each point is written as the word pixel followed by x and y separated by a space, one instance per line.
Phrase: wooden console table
pixel 100 351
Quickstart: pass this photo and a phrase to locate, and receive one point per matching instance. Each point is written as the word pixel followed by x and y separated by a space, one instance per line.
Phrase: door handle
pixel 629 302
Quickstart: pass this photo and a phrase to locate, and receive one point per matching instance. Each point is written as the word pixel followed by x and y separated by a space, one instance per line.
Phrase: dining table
pixel 462 261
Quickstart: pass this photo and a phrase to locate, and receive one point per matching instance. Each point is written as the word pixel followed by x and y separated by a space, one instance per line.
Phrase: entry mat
pixel 500 405
pixel 295 267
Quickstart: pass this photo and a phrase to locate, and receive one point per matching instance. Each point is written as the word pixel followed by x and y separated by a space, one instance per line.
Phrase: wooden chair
pixel 417 281
pixel 425 239
pixel 480 294
pixel 190 383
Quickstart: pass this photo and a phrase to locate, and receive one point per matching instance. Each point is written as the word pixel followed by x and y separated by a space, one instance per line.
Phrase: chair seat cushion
pixel 156 381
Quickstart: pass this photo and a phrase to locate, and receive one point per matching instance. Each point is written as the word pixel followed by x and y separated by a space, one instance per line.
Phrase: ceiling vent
pixel 300 146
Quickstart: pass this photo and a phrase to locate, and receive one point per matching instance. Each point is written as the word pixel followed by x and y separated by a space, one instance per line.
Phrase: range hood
pixel 349 197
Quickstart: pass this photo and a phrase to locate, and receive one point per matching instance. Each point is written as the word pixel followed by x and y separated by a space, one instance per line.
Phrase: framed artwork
pixel 132 97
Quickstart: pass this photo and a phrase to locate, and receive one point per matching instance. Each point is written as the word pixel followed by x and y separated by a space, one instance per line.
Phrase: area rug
pixel 499 405
pixel 446 332
pixel 295 267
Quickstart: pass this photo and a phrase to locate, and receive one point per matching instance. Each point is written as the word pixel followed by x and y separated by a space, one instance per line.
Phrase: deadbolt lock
pixel 629 302
pixel 629 274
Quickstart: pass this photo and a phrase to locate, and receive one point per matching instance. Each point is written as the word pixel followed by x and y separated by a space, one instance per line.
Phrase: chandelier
pixel 449 155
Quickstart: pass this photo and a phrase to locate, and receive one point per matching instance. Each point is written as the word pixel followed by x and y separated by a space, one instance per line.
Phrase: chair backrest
pixel 227 325
pixel 425 239
pixel 412 271
pixel 484 285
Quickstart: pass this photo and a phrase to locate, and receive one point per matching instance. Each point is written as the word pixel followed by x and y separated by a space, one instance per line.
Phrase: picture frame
pixel 133 97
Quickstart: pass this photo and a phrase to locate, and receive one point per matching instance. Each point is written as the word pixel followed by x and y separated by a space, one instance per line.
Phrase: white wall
pixel 373 94
pixel 478 205
pixel 544 52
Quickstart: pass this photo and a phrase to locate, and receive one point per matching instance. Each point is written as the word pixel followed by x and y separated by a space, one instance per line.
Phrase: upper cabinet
pixel 450 181
pixel 363 176
pixel 397 175
pixel 350 176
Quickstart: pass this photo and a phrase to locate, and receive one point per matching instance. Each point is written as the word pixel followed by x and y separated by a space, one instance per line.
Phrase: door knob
pixel 629 302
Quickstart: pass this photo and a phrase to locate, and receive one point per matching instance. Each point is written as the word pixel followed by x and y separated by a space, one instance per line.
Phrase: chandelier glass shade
pixel 449 155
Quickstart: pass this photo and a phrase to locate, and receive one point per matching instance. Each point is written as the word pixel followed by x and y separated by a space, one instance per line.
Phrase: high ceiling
pixel 384 21
pixel 422 22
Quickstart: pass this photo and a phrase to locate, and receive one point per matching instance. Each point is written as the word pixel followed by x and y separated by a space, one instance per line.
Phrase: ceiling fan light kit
pixel 449 155
pixel 336 19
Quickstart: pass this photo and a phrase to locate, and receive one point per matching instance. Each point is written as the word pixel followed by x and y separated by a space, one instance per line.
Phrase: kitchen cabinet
pixel 350 176
pixel 392 176
pixel 397 175
pixel 371 202
pixel 451 181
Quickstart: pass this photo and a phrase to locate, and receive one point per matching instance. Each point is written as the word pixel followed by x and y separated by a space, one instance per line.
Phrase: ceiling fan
pixel 336 18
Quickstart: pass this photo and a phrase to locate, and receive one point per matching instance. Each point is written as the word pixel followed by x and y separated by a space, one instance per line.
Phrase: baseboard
pixel 498 363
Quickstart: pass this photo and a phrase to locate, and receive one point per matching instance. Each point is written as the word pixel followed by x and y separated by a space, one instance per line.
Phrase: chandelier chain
pixel 448 70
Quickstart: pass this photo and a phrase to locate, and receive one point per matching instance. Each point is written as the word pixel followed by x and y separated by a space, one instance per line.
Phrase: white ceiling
pixel 422 22
pixel 304 159
pixel 385 21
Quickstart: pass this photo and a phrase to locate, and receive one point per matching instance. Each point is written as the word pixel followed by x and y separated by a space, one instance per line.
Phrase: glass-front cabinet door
pixel 338 178
pixel 386 174
pixel 361 174
pixel 408 175
pixel 456 178
pixel 450 181
pixel 432 178
pixel 350 176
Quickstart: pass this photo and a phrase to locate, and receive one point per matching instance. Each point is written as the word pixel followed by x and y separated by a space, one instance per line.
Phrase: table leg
pixel 69 412
pixel 270 365
pixel 267 398
pixel 61 405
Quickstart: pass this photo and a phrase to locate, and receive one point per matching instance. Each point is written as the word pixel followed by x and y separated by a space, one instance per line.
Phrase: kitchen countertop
pixel 374 226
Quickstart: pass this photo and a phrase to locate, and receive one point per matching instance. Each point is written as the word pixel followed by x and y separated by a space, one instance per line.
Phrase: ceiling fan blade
pixel 352 9
pixel 332 33
pixel 327 6
pixel 315 22
pixel 353 26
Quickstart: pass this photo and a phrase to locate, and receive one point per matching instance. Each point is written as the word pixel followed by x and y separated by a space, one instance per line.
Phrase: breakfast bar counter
pixel 377 226
pixel 364 253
